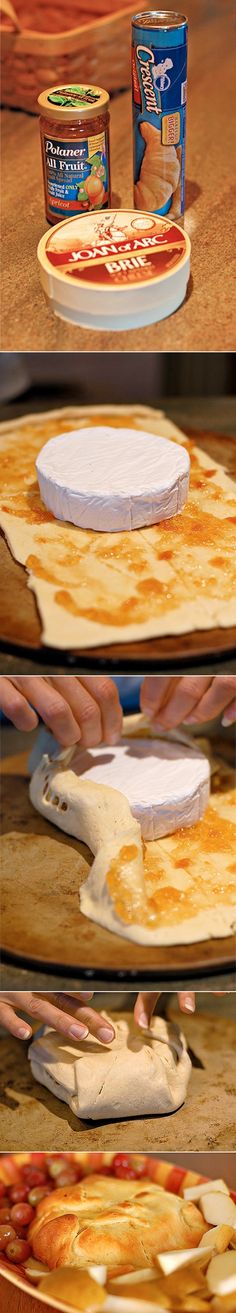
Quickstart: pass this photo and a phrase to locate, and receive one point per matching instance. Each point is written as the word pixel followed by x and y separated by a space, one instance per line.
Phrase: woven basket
pixel 94 48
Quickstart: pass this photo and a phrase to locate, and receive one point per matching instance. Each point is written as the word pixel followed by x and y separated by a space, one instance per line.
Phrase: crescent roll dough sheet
pixel 135 1076
pixel 176 889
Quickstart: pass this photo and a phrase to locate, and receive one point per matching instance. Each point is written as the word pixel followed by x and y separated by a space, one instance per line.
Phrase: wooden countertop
pixel 32 1115
pixel 206 318
pixel 16 1301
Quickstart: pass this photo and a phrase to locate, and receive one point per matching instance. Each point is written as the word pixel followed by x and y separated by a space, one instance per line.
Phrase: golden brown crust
pixel 110 1221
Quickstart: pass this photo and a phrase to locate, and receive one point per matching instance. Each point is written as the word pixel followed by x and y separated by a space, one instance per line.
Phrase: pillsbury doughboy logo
pixel 161 76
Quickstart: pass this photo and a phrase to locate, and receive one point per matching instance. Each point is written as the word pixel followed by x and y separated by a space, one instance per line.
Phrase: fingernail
pixel 78 1032
pixel 190 720
pixel 227 720
pixel 143 1021
pixel 113 738
pixel 87 995
pixel 189 1005
pixel 105 1034
pixel 24 1032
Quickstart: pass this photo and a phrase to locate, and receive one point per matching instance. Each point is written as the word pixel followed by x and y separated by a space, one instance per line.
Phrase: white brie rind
pixel 112 480
pixel 166 783
pixel 136 1075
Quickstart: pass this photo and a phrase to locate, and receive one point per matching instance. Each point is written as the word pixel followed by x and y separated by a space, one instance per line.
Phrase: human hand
pixel 145 1005
pixel 167 701
pixel 85 710
pixel 66 1013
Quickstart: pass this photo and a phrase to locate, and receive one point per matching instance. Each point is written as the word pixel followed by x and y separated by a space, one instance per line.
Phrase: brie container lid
pixel 115 269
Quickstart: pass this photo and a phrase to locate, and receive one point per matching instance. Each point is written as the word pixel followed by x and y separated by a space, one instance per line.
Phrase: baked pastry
pixel 109 1221
pixel 137 1075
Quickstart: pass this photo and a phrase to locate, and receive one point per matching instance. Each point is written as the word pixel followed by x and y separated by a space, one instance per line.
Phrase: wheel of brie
pixel 111 480
pixel 166 782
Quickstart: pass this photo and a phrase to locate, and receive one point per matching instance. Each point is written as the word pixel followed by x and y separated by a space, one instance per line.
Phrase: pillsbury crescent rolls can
pixel 159 83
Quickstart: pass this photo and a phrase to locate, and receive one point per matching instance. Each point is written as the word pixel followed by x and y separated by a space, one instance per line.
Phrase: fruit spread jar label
pixel 77 175
pixel 159 80
pixel 120 249
pixel 74 126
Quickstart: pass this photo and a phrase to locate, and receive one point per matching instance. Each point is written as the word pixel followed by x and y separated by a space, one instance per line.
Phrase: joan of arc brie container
pixel 119 270
pixel 159 93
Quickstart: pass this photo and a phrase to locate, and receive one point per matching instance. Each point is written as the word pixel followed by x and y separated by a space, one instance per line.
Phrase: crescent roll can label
pixel 159 88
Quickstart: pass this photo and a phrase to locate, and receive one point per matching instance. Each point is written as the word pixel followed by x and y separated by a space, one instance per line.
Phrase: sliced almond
pixel 169 1262
pixel 218 1238
pixel 218 1208
pixel 196 1192
pixel 221 1274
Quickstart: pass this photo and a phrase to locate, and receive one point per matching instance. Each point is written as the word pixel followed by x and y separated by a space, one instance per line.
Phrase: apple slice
pixel 119 1304
pixel 196 1192
pixel 189 1280
pixel 99 1273
pixel 131 1278
pixel 35 1269
pixel 221 1274
pixel 193 1304
pixel 222 1304
pixel 169 1262
pixel 218 1208
pixel 217 1238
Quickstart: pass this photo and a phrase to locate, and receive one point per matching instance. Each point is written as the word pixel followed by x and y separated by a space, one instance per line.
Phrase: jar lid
pixel 115 269
pixel 68 103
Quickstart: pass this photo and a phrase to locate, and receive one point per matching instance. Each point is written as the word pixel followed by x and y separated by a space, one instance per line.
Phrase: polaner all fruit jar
pixel 74 128
pixel 159 83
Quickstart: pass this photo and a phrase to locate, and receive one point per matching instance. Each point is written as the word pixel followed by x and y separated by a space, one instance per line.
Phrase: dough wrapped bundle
pixel 134 1076
pixel 109 1221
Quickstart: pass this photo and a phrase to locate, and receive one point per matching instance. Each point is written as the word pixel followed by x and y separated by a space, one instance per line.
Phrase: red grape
pixel 122 1167
pixel 2 1190
pixel 5 1213
pixel 55 1166
pixel 18 1194
pixel 32 1175
pixel 7 1233
pixel 18 1251
pixel 39 1161
pixel 22 1214
pixel 21 1231
pixel 67 1177
pixel 38 1192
